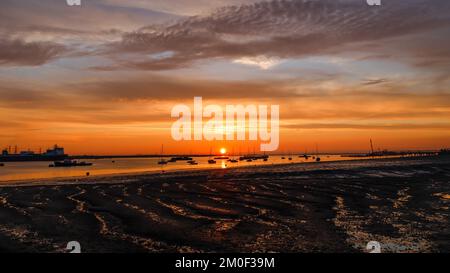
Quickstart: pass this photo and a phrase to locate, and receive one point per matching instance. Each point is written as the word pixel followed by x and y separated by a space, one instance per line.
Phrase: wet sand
pixel 320 207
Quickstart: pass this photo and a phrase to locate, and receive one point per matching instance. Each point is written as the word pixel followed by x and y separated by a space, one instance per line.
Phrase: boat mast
pixel 371 146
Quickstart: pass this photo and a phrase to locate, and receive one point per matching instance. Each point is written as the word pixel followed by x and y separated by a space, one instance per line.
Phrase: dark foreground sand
pixel 327 207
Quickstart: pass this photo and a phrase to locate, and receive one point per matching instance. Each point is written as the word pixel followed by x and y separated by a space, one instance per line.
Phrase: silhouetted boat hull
pixel 180 158
pixel 69 163
pixel 253 157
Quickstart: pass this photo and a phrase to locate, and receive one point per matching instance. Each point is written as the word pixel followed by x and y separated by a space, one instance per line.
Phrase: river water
pixel 16 171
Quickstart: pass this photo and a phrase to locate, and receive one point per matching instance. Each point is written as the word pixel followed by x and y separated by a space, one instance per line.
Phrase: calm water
pixel 38 170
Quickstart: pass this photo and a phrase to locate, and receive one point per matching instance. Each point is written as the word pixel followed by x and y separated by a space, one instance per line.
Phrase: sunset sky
pixel 102 78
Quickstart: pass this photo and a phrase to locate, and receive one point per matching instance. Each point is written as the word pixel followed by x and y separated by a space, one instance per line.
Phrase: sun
pixel 223 151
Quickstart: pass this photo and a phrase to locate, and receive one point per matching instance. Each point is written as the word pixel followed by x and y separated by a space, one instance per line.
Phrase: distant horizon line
pixel 244 154
pixel 311 152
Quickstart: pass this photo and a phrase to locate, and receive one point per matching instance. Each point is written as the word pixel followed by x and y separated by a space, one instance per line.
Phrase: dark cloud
pixel 19 52
pixel 56 17
pixel 280 28
pixel 23 22
pixel 374 81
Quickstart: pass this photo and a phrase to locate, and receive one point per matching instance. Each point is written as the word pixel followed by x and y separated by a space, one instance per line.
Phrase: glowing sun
pixel 223 151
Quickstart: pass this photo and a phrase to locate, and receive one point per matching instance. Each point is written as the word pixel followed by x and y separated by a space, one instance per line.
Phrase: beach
pixel 403 203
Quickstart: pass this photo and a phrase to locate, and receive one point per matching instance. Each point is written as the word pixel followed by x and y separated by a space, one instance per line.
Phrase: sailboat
pixel 305 155
pixel 190 159
pixel 162 161
pixel 192 162
pixel 317 153
pixel 211 161
pixel 233 159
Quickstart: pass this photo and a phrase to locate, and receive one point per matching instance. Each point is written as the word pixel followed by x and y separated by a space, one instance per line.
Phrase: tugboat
pixel 69 163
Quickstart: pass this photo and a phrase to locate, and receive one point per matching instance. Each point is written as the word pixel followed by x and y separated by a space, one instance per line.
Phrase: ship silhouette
pixel 53 154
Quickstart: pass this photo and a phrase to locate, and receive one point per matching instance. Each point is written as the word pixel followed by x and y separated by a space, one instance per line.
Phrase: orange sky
pixel 103 79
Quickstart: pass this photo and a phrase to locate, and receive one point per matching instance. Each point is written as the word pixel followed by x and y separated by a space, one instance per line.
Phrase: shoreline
pixel 154 174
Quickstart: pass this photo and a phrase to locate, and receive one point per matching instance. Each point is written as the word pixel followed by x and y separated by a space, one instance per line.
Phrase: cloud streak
pixel 282 29
pixel 18 52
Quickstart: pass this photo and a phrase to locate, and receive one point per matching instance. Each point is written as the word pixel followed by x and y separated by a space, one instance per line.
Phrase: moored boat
pixel 69 163
pixel 192 162
pixel 162 161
